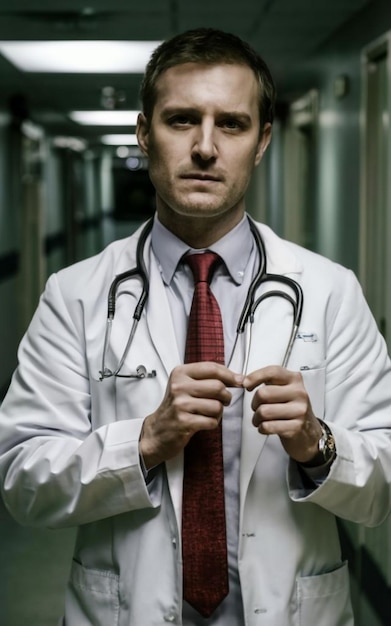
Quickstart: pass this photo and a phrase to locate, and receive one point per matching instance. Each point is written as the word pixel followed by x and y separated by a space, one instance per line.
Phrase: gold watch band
pixel 327 450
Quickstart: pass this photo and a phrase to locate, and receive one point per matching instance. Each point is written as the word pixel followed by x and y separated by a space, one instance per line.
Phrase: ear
pixel 142 132
pixel 264 141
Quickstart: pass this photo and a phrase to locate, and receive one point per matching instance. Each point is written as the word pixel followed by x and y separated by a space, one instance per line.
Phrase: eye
pixel 180 120
pixel 231 124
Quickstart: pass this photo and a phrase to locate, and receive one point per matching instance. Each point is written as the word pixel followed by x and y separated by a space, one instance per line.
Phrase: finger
pixel 273 394
pixel 202 407
pixel 284 428
pixel 183 388
pixel 202 416
pixel 209 370
pixel 270 375
pixel 210 389
pixel 279 413
pixel 196 422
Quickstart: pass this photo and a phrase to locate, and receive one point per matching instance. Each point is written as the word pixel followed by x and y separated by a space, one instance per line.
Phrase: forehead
pixel 224 86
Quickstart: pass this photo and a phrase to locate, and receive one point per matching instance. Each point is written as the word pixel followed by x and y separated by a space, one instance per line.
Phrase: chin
pixel 196 207
pixel 200 212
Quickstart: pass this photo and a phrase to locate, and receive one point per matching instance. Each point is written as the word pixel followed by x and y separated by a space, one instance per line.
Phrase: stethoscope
pixel 295 298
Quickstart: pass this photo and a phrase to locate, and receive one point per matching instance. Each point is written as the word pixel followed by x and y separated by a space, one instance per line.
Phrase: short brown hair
pixel 209 46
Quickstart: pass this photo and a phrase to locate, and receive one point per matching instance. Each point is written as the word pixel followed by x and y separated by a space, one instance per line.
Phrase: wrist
pixel 326 449
pixel 149 459
pixel 147 450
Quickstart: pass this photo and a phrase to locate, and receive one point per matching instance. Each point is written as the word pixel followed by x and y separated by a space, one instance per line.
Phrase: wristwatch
pixel 327 450
pixel 326 444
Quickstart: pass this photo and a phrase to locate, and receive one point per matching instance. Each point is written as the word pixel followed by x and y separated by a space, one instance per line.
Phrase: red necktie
pixel 204 542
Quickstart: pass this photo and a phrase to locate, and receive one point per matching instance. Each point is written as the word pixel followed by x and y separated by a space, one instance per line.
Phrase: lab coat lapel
pixel 154 344
pixel 270 336
pixel 269 340
pixel 162 332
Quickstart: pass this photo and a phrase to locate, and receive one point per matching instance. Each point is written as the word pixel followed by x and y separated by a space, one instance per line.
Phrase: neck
pixel 200 232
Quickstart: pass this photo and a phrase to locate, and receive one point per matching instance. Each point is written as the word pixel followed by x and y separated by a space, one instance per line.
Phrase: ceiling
pixel 285 33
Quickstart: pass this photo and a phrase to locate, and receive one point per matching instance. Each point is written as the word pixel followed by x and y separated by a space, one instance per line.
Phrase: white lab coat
pixel 69 446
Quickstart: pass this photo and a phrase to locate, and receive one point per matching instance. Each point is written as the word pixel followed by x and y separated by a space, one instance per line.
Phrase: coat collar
pixel 170 250
pixel 280 255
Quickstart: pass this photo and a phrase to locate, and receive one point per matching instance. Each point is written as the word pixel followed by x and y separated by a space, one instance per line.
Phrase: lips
pixel 201 176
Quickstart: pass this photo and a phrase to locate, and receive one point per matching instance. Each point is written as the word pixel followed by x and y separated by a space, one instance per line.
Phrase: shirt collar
pixel 234 248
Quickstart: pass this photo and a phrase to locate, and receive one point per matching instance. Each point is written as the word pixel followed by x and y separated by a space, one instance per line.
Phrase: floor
pixel 34 566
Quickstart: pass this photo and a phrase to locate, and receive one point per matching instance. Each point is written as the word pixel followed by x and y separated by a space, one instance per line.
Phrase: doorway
pixel 300 149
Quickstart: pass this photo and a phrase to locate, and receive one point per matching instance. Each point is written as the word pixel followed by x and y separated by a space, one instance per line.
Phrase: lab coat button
pixel 170 617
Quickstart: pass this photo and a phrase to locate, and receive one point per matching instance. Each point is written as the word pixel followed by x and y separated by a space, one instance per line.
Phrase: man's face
pixel 203 141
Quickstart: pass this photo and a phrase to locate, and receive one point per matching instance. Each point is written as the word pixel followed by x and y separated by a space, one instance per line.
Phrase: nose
pixel 204 146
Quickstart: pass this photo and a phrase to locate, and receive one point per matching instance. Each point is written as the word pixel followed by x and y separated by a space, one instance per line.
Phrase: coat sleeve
pixel 358 411
pixel 55 469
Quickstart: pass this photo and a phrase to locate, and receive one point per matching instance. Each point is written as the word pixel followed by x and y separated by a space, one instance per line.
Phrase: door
pixel 300 149
pixel 32 265
pixel 375 233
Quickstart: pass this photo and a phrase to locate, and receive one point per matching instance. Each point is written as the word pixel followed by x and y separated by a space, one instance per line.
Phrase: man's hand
pixel 195 398
pixel 282 407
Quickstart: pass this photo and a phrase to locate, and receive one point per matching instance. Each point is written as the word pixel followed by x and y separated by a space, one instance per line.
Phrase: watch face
pixel 329 449
pixel 327 443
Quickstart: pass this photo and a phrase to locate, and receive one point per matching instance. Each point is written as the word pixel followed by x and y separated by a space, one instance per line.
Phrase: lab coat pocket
pixel 314 381
pixel 324 600
pixel 92 597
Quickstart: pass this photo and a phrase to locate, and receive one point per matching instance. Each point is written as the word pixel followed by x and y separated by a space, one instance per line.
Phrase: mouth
pixel 201 177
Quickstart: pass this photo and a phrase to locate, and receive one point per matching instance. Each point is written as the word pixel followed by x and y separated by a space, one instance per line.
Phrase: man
pixel 100 443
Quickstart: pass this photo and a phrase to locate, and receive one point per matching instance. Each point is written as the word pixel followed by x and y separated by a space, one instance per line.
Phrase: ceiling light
pixel 100 57
pixel 122 152
pixel 105 118
pixel 73 143
pixel 119 140
pixel 134 163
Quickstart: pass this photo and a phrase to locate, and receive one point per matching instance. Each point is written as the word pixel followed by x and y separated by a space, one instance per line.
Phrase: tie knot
pixel 203 265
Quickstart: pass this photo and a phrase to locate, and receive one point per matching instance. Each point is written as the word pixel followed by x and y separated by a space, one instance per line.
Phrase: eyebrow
pixel 173 110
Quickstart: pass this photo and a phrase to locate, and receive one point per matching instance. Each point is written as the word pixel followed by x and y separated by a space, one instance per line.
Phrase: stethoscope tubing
pixel 139 270
pixel 247 314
